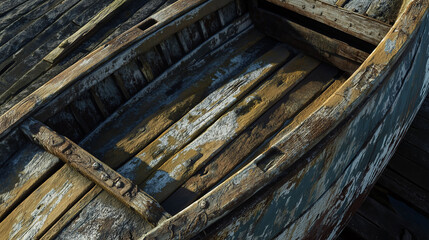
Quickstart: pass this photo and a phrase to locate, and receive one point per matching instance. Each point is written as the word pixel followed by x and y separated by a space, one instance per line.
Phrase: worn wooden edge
pixel 323 119
pixel 336 52
pixel 360 26
pixel 84 32
pixel 98 172
pixel 140 40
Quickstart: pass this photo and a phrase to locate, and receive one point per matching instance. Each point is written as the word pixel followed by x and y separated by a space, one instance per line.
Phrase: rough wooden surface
pixel 98 172
pixel 349 22
pixel 398 204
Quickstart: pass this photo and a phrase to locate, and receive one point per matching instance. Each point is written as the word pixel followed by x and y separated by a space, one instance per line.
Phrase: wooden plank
pixel 358 6
pixel 248 141
pixel 8 5
pixel 361 228
pixel 86 31
pixel 26 35
pixel 206 112
pixel 338 53
pixel 384 10
pixel 132 78
pixel 18 12
pixel 65 123
pixel 109 52
pixel 98 172
pixel 108 95
pixel 85 112
pixel 176 170
pixel 70 214
pixel 357 25
pixel 179 89
pixel 22 173
pixel 31 218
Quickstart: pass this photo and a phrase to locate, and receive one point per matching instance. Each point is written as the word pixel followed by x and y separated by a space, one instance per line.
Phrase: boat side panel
pixel 336 206
pixel 277 209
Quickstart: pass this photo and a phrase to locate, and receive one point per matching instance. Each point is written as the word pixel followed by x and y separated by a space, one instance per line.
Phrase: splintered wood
pixel 111 181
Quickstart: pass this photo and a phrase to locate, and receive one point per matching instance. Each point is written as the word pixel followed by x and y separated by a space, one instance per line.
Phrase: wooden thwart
pixel 338 53
pixel 107 178
pixel 357 25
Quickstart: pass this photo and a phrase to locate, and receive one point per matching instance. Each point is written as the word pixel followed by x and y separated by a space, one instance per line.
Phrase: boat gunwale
pixel 372 72
pixel 370 68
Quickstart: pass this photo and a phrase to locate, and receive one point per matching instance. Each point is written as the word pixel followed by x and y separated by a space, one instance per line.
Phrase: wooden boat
pixel 216 119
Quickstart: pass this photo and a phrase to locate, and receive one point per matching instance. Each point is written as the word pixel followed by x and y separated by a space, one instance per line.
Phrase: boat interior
pixel 182 109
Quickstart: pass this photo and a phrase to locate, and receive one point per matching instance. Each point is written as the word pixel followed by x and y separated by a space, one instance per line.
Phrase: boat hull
pixel 317 201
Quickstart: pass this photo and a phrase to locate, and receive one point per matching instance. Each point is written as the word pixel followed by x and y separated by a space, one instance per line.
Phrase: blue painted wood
pixel 341 170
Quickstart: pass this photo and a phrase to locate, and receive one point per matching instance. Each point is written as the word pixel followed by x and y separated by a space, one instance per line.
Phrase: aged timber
pixel 242 119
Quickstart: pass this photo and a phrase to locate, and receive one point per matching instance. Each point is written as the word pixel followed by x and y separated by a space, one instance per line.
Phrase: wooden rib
pixel 83 33
pixel 340 54
pixel 248 141
pixel 120 82
pixel 205 113
pixel 107 178
pixel 185 163
pixel 362 27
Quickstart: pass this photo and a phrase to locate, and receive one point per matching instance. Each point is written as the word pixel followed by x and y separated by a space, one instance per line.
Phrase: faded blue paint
pixel 390 45
pixel 360 129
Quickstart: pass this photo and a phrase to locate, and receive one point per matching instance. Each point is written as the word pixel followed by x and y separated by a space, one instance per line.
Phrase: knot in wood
pixel 204 204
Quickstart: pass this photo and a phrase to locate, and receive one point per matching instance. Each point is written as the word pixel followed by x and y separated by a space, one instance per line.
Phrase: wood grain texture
pixel 247 143
pixel 357 25
pixel 336 52
pixel 206 112
pixel 71 42
pixel 98 172
pixel 176 170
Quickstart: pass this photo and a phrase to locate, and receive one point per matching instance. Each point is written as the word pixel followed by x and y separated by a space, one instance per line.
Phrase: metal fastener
pixel 204 204
pixel 95 165
pixel 104 177
pixel 119 184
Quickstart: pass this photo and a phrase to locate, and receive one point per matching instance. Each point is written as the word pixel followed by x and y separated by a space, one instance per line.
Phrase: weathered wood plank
pixel 108 96
pixel 384 10
pixel 41 208
pixel 98 172
pixel 176 170
pixel 360 26
pixel 361 228
pixel 65 123
pixel 206 112
pixel 74 40
pixel 58 84
pixel 114 211
pixel 245 144
pixel 8 5
pixel 177 91
pixel 18 12
pixel 85 112
pixel 413 153
pixel 132 78
pixel 338 53
pixel 22 173
pixel 20 39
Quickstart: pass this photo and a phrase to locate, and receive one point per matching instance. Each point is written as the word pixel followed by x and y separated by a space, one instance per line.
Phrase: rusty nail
pixel 95 165
pixel 104 177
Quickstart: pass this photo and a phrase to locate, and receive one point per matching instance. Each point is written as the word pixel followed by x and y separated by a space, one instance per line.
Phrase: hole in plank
pixel 147 24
